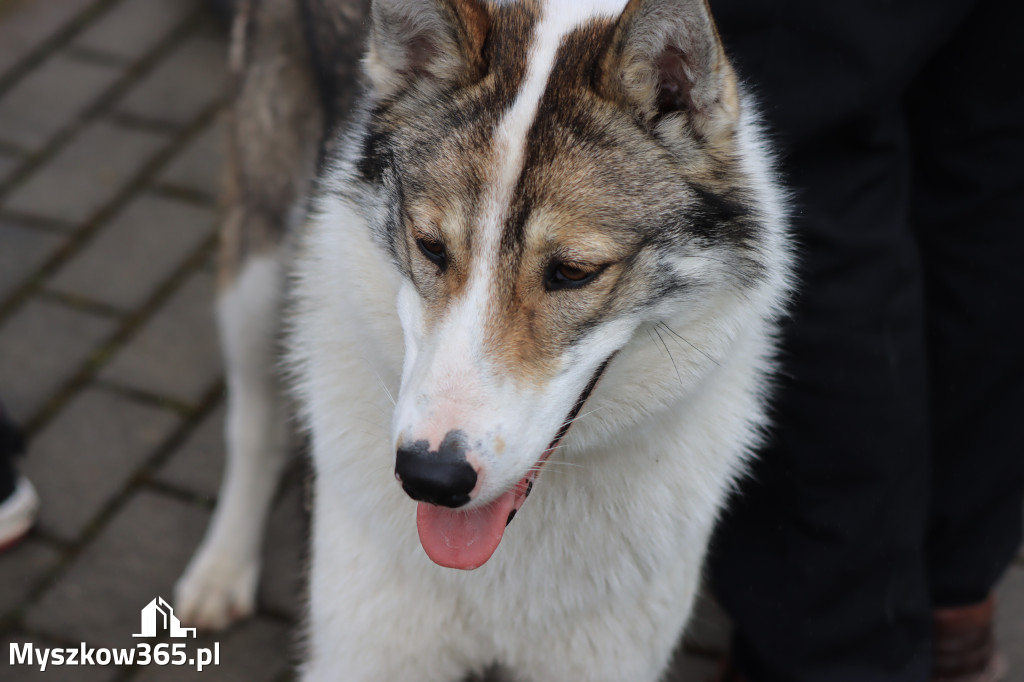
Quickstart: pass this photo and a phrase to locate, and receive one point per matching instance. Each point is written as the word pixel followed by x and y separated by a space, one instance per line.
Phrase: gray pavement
pixel 108 171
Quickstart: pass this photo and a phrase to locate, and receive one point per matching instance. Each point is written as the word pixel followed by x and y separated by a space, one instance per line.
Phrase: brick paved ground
pixel 108 157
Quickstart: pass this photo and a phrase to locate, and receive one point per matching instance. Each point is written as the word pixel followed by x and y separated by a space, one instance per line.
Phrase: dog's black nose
pixel 442 477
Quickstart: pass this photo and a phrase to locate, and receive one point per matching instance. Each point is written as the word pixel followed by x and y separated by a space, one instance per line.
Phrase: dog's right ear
pixel 434 39
pixel 667 62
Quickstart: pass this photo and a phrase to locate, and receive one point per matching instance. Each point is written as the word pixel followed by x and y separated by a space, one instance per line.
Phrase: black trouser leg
pixel 822 562
pixel 11 444
pixel 967 114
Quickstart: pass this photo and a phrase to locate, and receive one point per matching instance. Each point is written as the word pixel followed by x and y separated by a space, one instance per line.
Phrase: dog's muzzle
pixel 440 477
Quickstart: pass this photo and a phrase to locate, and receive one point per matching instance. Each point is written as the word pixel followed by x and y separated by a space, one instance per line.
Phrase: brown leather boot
pixel 965 645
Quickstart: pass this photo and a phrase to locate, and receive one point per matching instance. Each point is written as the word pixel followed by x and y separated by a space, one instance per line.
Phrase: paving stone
pixel 21 568
pixel 136 558
pixel 256 651
pixel 53 673
pixel 41 346
pixel 284 548
pixel 182 85
pixel 132 28
pixel 22 251
pixel 198 168
pixel 138 251
pixel 88 453
pixel 198 464
pixel 176 354
pixel 49 98
pixel 7 166
pixel 1010 621
pixel 25 24
pixel 86 174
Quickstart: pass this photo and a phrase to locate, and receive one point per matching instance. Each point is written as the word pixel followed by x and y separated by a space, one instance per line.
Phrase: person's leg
pixel 11 444
pixel 968 206
pixel 820 562
pixel 968 114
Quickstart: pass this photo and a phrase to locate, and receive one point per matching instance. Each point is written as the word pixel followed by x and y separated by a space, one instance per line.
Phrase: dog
pixel 529 293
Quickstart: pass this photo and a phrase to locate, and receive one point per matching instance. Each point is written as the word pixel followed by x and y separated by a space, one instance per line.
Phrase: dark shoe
pixel 965 645
pixel 18 500
pixel 17 513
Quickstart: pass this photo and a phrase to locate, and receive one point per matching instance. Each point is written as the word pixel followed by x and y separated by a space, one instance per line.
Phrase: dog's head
pixel 552 176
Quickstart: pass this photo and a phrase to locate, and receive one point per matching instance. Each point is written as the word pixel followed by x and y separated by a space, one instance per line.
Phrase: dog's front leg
pixel 379 610
pixel 600 655
pixel 630 638
pixel 388 633
pixel 426 669
pixel 219 585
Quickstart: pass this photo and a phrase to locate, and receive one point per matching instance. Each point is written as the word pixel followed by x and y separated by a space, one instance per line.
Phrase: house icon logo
pixel 158 616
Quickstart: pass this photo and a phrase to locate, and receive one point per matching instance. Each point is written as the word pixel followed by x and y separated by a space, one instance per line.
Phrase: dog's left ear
pixel 440 40
pixel 666 59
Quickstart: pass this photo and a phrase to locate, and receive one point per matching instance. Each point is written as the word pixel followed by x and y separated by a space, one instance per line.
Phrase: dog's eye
pixel 562 275
pixel 434 251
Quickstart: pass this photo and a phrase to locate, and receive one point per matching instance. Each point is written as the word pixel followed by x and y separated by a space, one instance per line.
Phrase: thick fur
pixel 606 136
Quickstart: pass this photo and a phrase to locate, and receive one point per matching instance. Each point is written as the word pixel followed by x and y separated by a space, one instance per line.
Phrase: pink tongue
pixel 463 539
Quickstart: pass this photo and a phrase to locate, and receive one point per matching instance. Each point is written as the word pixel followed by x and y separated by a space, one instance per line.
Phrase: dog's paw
pixel 216 590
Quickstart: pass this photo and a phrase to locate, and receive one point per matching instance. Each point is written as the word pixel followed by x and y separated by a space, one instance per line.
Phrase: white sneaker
pixel 18 513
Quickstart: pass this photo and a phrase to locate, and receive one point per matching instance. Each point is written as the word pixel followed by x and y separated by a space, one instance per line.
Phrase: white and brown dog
pixel 535 206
